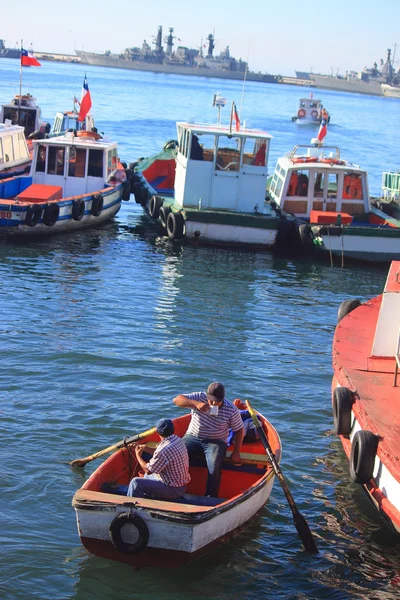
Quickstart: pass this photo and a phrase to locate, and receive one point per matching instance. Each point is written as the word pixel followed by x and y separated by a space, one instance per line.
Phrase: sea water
pixel 100 329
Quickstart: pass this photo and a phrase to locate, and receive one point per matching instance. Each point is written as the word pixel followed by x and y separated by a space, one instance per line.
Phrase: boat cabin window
pixel 77 162
pixel 111 161
pixel 7 153
pixel 55 163
pixel 228 154
pixel 207 146
pixel 23 117
pixel 352 186
pixel 277 183
pixel 196 150
pixel 254 152
pixel 298 184
pixel 58 124
pixel 184 142
pixel 95 166
pixel 41 159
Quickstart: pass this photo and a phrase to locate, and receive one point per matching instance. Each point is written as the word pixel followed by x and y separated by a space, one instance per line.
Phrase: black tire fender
pixel 78 209
pixel 97 205
pixel 51 214
pixel 175 226
pixel 346 307
pixel 154 207
pixel 164 212
pixel 133 520
pixel 126 190
pixel 33 215
pixel 306 235
pixel 342 402
pixel 362 457
pixel 139 193
pixel 171 145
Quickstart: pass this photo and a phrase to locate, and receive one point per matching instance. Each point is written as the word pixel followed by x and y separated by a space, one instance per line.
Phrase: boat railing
pixel 315 150
pixel 397 358
pixel 391 185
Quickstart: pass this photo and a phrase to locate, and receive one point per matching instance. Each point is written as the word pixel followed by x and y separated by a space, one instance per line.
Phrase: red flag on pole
pixel 28 60
pixel 86 101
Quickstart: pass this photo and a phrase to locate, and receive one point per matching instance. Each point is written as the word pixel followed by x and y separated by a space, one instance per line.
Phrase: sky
pixel 274 37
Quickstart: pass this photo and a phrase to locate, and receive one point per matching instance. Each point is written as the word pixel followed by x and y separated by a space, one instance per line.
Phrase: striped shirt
pixel 170 462
pixel 205 426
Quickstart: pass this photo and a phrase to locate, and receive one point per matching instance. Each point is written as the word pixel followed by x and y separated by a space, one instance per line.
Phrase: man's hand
pixel 203 407
pixel 139 450
pixel 236 458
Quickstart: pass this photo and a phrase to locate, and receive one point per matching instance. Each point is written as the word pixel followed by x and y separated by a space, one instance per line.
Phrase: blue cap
pixel 165 427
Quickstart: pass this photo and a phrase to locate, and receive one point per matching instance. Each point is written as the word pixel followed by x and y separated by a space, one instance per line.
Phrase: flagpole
pixel 20 82
pixel 230 123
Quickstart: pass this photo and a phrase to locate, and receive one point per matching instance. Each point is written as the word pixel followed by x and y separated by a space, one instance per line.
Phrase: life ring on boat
pixel 346 307
pixel 331 161
pixel 362 456
pixel 175 226
pixel 126 191
pixel 304 159
pixel 78 209
pixel 33 215
pixel 51 214
pixel 133 521
pixel 164 212
pixel 154 206
pixel 342 402
pixel 97 205
pixel 301 113
pixel 314 114
pixel 171 145
pixel 88 134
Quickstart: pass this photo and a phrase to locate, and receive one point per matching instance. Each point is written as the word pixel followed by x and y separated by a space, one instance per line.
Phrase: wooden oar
pixel 299 521
pixel 81 462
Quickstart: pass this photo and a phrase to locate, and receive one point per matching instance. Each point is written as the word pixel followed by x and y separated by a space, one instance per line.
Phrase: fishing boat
pixel 328 200
pixel 365 393
pixel 208 187
pixel 165 533
pixel 23 110
pixel 310 112
pixel 74 182
pixel 14 154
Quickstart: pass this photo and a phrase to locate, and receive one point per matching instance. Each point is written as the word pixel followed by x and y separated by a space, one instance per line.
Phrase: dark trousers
pixel 210 452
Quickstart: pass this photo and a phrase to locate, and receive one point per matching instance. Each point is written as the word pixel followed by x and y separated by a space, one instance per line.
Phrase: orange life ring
pixel 301 113
pixel 304 159
pixel 88 134
pixel 331 161
pixel 314 114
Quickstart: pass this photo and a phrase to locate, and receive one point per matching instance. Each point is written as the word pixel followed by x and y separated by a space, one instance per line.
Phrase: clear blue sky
pixel 275 37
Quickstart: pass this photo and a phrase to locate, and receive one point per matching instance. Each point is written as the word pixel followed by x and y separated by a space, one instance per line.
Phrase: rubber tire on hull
pixel 164 212
pixel 126 190
pixel 306 236
pixel 154 207
pixel 175 226
pixel 346 307
pixel 78 209
pixel 362 457
pixel 139 193
pixel 171 145
pixel 33 215
pixel 97 205
pixel 341 406
pixel 129 519
pixel 51 214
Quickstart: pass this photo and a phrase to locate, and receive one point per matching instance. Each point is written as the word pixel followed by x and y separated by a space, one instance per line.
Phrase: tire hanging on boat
pixel 139 193
pixel 175 226
pixel 346 307
pixel 97 205
pixel 362 457
pixel 78 209
pixel 126 190
pixel 171 145
pixel 51 214
pixel 154 207
pixel 164 212
pixel 33 215
pixel 341 406
pixel 130 520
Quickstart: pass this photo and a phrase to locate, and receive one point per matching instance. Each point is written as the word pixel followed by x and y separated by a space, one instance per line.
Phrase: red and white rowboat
pixel 366 396
pixel 146 532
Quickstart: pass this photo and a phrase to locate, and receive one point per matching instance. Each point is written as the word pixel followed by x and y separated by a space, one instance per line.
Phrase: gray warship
pixel 8 52
pixel 183 61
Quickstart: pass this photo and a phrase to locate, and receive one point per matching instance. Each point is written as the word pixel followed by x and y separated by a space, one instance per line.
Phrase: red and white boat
pixel 366 396
pixel 161 533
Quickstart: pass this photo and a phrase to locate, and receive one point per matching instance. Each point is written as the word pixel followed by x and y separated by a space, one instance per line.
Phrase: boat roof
pixel 70 140
pixel 301 156
pixel 7 129
pixel 223 130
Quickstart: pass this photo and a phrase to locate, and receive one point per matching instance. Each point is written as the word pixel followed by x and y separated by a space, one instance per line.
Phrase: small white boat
pixel 161 533
pixel 24 111
pixel 208 187
pixel 74 182
pixel 14 154
pixel 310 112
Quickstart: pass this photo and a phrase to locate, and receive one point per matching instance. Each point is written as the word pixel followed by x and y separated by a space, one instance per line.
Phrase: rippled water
pixel 100 329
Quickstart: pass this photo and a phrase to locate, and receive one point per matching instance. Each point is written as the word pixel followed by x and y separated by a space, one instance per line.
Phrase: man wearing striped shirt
pixel 167 472
pixel 206 438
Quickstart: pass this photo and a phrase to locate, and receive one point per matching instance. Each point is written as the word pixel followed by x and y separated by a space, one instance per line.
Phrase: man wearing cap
pixel 212 417
pixel 167 472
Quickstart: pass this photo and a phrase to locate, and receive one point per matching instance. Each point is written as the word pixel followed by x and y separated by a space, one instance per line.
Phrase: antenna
pixel 219 101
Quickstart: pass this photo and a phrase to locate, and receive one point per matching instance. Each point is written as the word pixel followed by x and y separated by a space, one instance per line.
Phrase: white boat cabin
pixel 68 119
pixel 13 148
pixel 79 165
pixel 312 179
pixel 23 111
pixel 217 168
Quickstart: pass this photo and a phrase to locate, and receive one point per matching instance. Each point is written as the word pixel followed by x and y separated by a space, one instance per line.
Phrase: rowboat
pixel 161 533
pixel 327 198
pixel 208 186
pixel 365 394
pixel 74 182
pixel 14 154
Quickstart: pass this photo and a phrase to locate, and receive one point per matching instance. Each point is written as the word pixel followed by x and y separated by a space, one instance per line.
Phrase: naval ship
pixel 8 52
pixel 372 81
pixel 183 61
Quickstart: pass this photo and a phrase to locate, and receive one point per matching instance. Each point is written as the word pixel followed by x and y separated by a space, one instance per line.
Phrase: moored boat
pixel 310 112
pixel 74 182
pixel 165 533
pixel 14 154
pixel 23 110
pixel 208 187
pixel 365 393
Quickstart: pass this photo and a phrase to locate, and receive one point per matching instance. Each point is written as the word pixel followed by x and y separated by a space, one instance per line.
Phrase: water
pixel 102 328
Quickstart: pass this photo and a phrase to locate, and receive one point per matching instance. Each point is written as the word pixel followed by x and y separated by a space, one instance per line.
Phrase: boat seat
pixel 120 490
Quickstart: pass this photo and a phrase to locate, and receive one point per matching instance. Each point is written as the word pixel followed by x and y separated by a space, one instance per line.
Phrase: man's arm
pixel 138 451
pixel 235 457
pixel 184 402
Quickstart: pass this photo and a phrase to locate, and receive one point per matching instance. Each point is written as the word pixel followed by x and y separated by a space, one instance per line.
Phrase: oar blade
pixel 305 533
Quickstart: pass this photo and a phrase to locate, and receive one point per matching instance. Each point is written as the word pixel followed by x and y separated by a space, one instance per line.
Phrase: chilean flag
pixel 323 129
pixel 236 117
pixel 28 60
pixel 86 101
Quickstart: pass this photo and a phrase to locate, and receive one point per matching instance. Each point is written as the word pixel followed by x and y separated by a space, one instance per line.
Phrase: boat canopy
pixel 68 120
pixel 22 111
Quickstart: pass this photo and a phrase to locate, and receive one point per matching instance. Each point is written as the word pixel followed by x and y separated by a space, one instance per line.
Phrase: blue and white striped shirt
pixel 205 426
